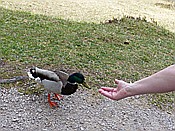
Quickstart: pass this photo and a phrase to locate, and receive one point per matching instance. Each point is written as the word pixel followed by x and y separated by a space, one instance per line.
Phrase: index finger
pixel 108 89
pixel 106 93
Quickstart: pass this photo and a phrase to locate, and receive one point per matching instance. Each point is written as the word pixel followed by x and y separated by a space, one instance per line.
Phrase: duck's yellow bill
pixel 86 85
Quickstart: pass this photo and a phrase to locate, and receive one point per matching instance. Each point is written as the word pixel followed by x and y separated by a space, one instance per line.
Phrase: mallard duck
pixel 57 82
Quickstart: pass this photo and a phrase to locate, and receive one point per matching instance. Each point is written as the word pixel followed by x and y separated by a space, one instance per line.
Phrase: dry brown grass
pixel 162 11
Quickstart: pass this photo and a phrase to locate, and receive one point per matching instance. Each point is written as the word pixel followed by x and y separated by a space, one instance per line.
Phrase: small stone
pixel 33 99
pixel 39 110
pixel 126 42
pixel 3 125
pixel 20 93
pixel 19 115
pixel 39 117
pixel 15 120
pixel 173 127
pixel 32 121
pixel 135 120
pixel 81 128
pixel 81 122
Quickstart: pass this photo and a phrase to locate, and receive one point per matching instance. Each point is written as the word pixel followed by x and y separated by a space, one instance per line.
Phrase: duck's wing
pixel 63 76
pixel 46 74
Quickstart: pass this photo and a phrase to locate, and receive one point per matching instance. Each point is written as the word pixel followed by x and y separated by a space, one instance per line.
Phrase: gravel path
pixel 79 112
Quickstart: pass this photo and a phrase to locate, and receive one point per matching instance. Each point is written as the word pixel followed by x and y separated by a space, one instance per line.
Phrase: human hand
pixel 122 90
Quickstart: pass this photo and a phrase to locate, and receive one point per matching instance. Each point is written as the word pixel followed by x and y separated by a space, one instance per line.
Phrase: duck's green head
pixel 78 78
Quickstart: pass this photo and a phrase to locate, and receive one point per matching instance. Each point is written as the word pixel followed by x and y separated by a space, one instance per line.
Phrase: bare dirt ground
pixel 162 11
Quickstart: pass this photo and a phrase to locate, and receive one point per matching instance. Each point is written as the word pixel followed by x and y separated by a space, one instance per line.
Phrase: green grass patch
pixel 127 49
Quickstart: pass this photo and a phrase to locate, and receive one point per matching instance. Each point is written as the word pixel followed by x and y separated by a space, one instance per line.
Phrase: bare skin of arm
pixel 160 82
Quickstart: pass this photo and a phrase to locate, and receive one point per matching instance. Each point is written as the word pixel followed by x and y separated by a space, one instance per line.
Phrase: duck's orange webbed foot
pixel 58 96
pixel 52 104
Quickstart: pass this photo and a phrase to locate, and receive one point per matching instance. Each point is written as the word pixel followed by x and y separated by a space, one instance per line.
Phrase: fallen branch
pixel 13 80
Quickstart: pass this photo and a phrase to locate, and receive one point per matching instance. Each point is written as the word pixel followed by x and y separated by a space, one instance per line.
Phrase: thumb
pixel 117 81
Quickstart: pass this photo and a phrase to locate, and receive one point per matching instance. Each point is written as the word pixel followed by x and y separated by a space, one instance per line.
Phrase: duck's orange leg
pixel 58 96
pixel 52 104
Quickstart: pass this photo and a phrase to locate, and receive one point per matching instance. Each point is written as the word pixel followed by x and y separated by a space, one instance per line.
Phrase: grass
pixel 168 6
pixel 97 50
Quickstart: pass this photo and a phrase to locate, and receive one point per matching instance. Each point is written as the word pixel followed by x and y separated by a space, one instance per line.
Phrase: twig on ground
pixel 13 80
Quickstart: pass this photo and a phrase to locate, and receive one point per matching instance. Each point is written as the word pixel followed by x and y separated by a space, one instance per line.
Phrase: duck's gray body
pixel 49 79
pixel 52 86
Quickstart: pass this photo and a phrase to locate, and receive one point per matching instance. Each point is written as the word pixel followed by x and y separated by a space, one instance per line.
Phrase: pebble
pixel 39 110
pixel 15 120
pixel 82 129
pixel 173 128
pixel 32 121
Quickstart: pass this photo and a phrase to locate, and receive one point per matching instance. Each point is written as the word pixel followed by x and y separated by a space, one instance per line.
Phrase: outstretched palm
pixel 116 93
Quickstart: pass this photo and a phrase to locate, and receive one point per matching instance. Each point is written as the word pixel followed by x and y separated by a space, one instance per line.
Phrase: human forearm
pixel 160 82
